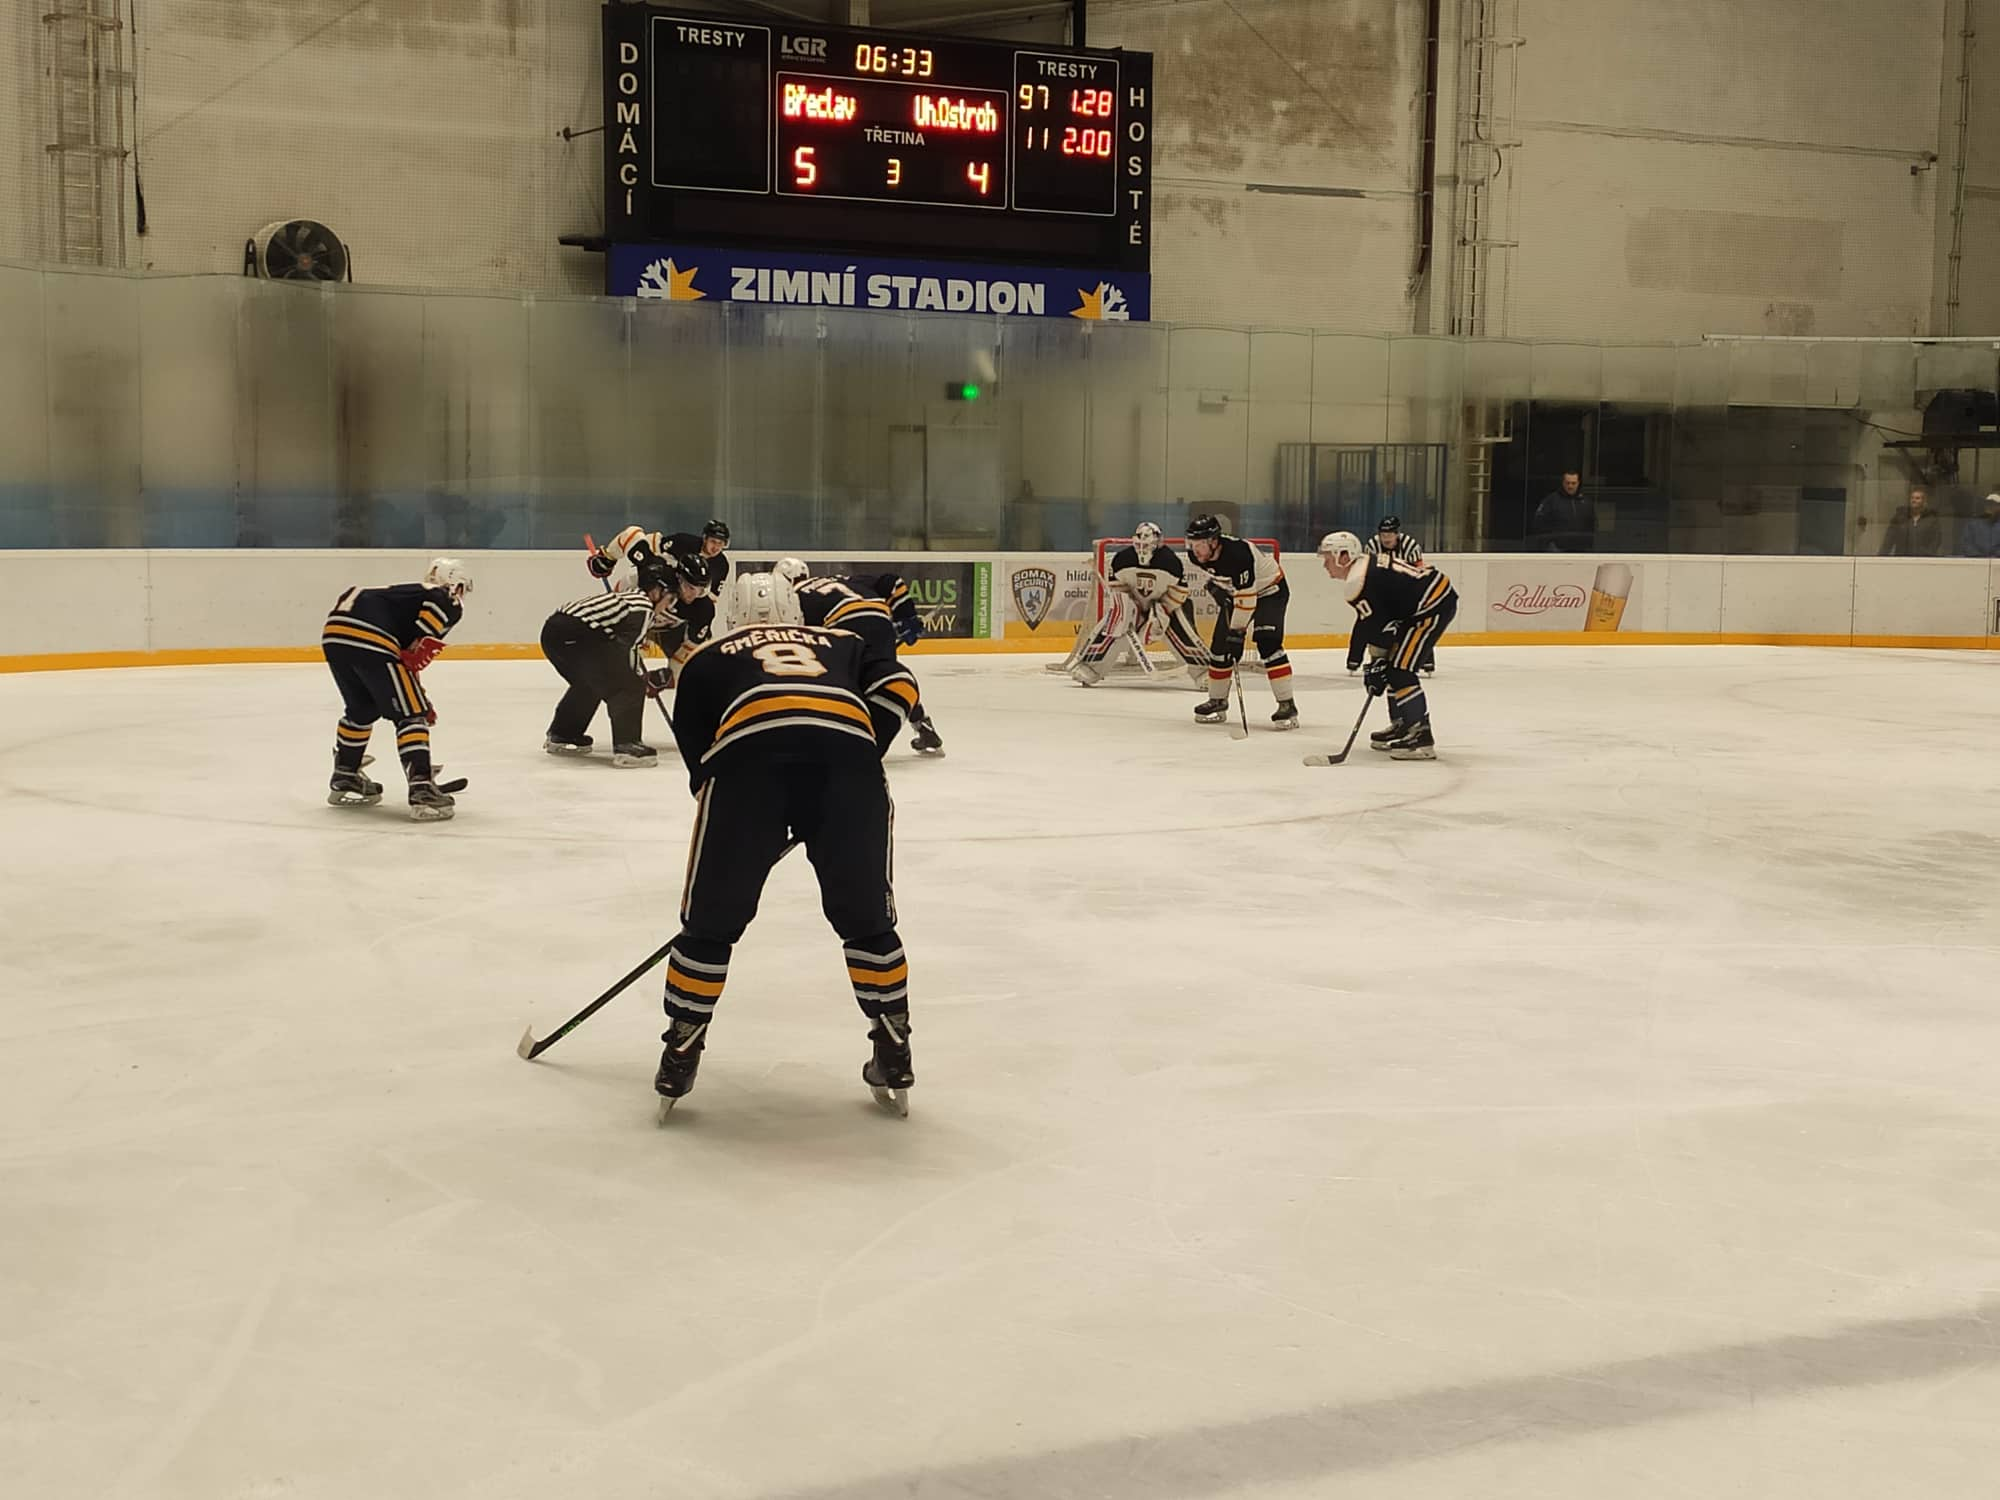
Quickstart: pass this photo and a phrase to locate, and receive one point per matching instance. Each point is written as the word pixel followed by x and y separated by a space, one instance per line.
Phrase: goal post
pixel 1159 655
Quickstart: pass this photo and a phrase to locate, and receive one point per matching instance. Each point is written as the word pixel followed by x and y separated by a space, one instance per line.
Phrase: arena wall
pixel 1663 171
pixel 175 607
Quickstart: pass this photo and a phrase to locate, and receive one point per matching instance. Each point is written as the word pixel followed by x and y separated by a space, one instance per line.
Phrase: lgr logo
pixel 802 46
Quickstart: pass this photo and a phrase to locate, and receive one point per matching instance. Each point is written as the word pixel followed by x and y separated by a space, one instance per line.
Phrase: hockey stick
pixel 1334 760
pixel 530 1049
pixel 1240 730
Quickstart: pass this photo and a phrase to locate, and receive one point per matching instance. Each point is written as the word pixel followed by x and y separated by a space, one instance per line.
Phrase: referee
pixel 594 642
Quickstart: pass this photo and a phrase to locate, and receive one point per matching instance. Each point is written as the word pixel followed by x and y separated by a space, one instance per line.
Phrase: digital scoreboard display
pixel 757 132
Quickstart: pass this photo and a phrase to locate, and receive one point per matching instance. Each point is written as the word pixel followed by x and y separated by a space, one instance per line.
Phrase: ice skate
pixel 352 789
pixel 888 1073
pixel 924 737
pixel 1211 711
pixel 428 804
pixel 1417 744
pixel 555 745
pixel 678 1062
pixel 1382 739
pixel 634 754
pixel 1287 716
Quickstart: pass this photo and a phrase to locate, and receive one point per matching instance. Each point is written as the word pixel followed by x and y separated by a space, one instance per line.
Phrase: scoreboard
pixel 757 132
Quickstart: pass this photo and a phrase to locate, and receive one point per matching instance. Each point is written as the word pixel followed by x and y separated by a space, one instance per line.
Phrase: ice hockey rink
pixel 1610 1108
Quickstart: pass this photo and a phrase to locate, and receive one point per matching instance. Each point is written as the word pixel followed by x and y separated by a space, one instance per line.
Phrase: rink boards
pixel 138 607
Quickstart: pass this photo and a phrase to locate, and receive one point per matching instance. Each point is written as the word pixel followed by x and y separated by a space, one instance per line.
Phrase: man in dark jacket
pixel 1565 521
pixel 1916 530
pixel 1980 536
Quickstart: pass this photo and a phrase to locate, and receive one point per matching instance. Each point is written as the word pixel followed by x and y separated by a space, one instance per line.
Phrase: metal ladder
pixel 87 123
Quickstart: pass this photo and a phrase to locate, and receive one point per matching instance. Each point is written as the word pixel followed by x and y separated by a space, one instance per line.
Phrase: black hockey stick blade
pixel 458 784
pixel 530 1049
pixel 1352 735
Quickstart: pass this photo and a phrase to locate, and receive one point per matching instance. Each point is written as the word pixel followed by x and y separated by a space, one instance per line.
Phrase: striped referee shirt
pixel 623 615
pixel 1407 549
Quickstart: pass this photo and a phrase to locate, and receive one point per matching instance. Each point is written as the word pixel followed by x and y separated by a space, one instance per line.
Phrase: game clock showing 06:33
pixel 787 134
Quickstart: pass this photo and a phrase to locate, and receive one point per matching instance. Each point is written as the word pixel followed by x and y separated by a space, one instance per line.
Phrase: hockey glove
pixel 1223 595
pixel 1229 649
pixel 1354 664
pixel 421 652
pixel 658 681
pixel 1376 677
pixel 600 565
pixel 909 629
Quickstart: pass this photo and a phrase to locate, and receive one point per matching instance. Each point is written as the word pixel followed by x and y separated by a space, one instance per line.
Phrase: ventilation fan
pixel 297 250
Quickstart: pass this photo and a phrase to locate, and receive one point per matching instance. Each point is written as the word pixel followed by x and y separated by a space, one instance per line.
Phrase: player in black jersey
pixel 1400 611
pixel 783 726
pixel 1251 595
pixel 878 607
pixel 698 557
pixel 376 642
pixel 595 643
pixel 1392 541
pixel 1146 584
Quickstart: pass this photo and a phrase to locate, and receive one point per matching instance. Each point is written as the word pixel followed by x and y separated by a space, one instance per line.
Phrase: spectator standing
pixel 1566 520
pixel 1916 530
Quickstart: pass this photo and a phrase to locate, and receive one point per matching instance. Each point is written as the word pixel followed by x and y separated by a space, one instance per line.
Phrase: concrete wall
pixel 1698 167
pixel 273 602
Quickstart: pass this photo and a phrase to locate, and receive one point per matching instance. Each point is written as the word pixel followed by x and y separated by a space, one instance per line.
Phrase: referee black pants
pixel 598 670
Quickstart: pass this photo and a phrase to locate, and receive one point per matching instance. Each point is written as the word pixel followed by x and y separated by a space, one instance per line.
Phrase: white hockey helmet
pixel 791 569
pixel 449 574
pixel 765 599
pixel 1341 544
pixel 1145 541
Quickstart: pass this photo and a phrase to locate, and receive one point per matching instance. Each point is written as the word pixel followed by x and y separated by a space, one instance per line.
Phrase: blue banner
pixel 711 273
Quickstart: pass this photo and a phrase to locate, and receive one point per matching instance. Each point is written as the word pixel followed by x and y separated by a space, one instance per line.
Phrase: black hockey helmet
pixel 717 530
pixel 655 572
pixel 1204 528
pixel 1389 523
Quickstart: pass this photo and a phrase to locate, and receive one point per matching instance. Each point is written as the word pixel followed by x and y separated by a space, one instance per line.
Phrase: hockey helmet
pixel 1388 525
pixel 716 530
pixel 1340 544
pixel 449 574
pixel 1204 528
pixel 792 569
pixel 765 599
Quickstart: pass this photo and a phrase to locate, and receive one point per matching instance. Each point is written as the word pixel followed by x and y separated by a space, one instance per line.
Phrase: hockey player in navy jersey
pixel 782 726
pixel 1400 611
pixel 377 643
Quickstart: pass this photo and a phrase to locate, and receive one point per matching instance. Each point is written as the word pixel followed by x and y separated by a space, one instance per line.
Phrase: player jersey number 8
pixel 783 659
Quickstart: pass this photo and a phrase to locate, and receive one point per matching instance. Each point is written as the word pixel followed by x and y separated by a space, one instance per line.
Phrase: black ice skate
pixel 1211 711
pixel 1415 745
pixel 1382 739
pixel 678 1062
pixel 556 745
pixel 887 1073
pixel 352 789
pixel 429 804
pixel 924 737
pixel 1287 716
pixel 634 754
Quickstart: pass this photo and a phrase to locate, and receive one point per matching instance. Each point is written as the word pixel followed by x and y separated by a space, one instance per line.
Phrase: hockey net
pixel 1160 659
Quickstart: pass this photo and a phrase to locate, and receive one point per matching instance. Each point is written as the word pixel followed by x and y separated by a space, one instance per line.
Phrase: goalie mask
pixel 1145 542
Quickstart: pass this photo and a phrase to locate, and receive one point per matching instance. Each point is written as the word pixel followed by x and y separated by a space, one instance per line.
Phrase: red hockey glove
pixel 422 652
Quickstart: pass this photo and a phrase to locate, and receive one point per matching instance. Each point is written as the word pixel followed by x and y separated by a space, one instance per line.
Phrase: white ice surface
pixel 1606 1110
